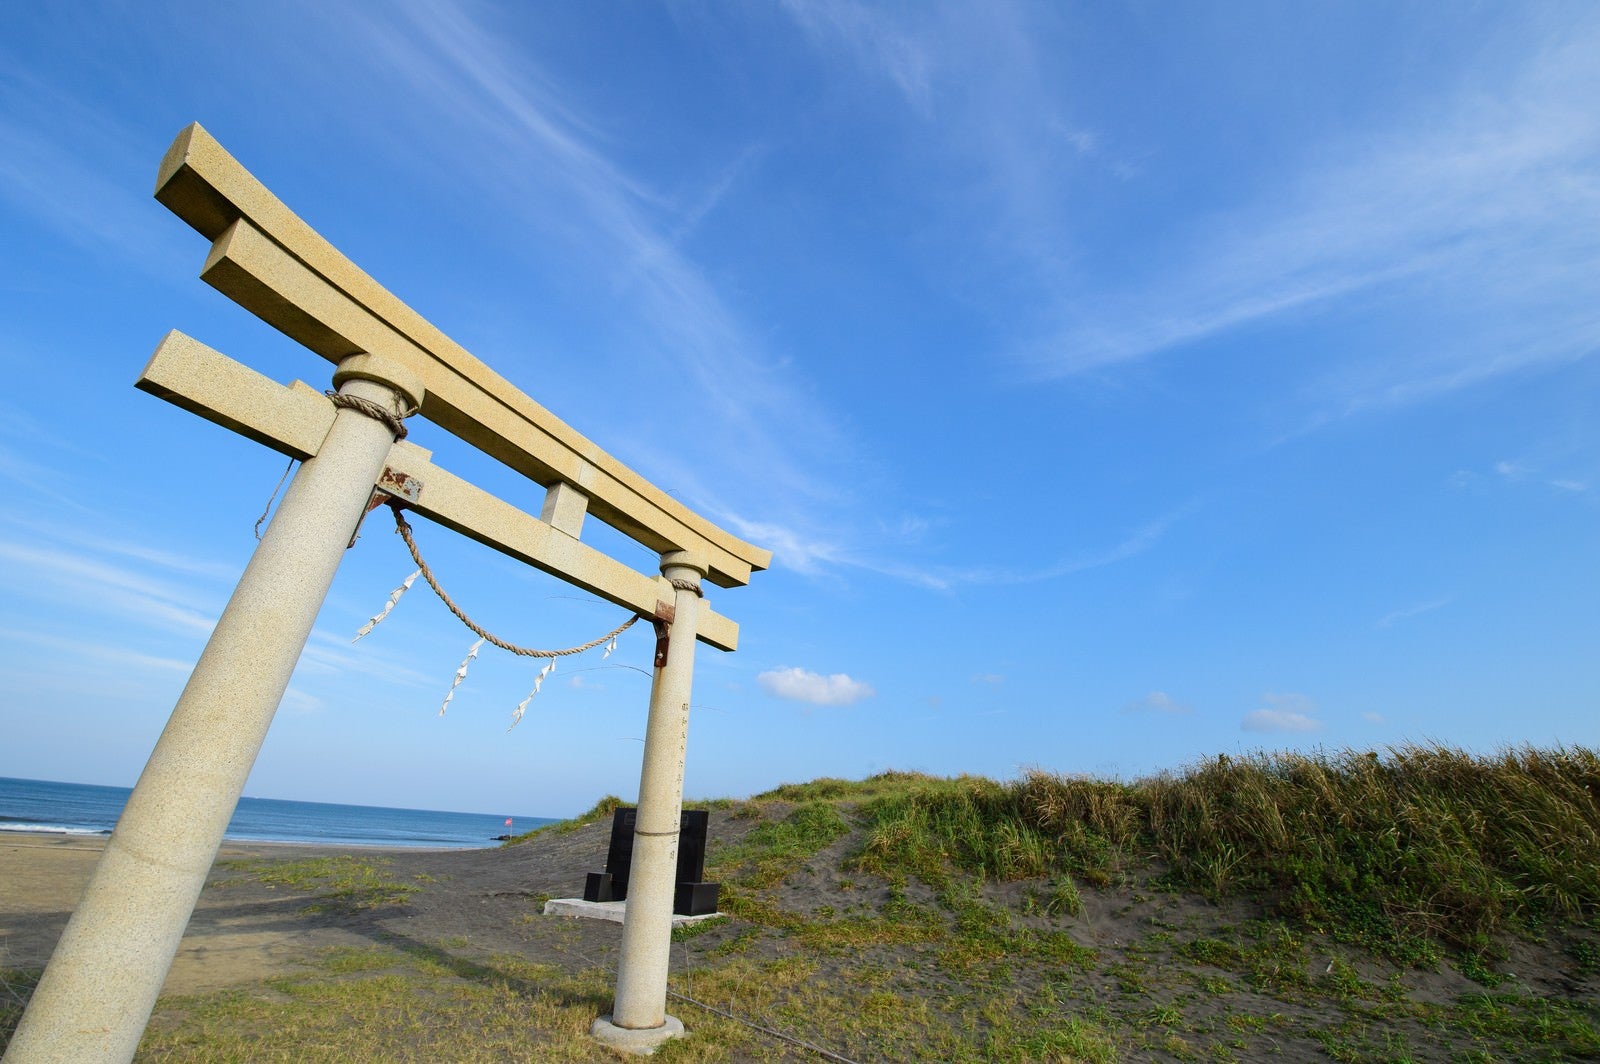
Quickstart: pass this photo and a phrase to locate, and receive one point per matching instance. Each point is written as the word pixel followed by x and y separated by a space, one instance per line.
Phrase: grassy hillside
pixel 1410 854
pixel 1416 905
pixel 1364 906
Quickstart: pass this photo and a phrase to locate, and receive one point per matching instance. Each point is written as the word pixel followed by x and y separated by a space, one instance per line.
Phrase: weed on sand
pixel 601 810
pixel 505 1010
pixel 16 985
pixel 342 883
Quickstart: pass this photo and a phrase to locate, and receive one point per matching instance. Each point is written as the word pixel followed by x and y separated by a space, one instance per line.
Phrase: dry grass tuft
pixel 1397 851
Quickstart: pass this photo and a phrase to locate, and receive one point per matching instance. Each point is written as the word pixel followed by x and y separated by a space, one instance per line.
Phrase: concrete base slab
pixel 630 1040
pixel 609 910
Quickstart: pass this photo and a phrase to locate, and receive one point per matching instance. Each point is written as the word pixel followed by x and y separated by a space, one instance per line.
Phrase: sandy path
pixel 234 936
pixel 483 901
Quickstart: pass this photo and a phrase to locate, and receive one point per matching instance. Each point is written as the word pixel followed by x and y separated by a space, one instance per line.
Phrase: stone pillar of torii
pixel 96 994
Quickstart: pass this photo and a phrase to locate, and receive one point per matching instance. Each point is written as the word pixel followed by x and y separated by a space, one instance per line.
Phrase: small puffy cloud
pixel 993 679
pixel 1282 713
pixel 802 685
pixel 1278 720
pixel 1373 718
pixel 1511 470
pixel 1156 702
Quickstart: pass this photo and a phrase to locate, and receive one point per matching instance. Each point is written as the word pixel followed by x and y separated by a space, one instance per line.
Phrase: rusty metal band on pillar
pixel 664 617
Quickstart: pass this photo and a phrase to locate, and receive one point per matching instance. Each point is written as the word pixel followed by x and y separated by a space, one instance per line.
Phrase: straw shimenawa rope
pixel 404 529
pixel 377 411
pixel 395 423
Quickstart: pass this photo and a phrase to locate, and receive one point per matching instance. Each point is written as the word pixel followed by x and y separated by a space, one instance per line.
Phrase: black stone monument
pixel 692 896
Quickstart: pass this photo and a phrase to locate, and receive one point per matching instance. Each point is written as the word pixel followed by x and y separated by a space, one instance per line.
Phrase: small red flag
pixel 508 821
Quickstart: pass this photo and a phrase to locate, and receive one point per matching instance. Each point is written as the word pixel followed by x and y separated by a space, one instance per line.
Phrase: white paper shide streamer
pixel 610 639
pixel 394 597
pixel 538 682
pixel 461 674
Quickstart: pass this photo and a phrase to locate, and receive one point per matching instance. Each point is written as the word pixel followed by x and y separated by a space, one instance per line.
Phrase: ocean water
pixel 83 809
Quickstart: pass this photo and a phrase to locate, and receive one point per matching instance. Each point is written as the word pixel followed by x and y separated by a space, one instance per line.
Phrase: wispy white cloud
pixel 36 477
pixel 686 222
pixel 1373 718
pixel 1282 713
pixel 36 450
pixel 74 184
pixel 975 76
pixel 791 547
pixel 1137 542
pixel 1509 472
pixel 873 39
pixel 1519 472
pixel 802 685
pixel 1405 613
pixel 1481 209
pixel 86 543
pixel 822 553
pixel 794 550
pixel 301 702
pixel 548 166
pixel 1477 203
pixel 331 654
pixel 98 585
pixel 91 652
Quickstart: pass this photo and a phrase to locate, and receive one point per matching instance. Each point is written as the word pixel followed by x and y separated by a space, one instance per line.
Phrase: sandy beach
pixel 230 940
pixel 244 930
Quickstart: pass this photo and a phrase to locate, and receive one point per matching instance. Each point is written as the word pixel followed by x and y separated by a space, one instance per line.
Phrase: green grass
pixel 1405 854
pixel 15 987
pixel 956 920
pixel 507 1010
pixel 775 849
pixel 342 883
pixel 601 810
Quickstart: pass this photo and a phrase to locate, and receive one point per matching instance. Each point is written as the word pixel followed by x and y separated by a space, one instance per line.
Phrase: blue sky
pixel 1116 385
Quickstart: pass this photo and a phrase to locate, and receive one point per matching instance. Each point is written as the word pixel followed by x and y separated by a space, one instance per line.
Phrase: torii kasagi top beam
pixel 275 265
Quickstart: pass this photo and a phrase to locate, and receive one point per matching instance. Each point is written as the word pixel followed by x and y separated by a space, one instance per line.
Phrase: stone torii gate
pixel 96 995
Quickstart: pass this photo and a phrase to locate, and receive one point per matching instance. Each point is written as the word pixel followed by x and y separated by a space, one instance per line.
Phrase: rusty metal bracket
pixel 395 489
pixel 401 485
pixel 665 614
